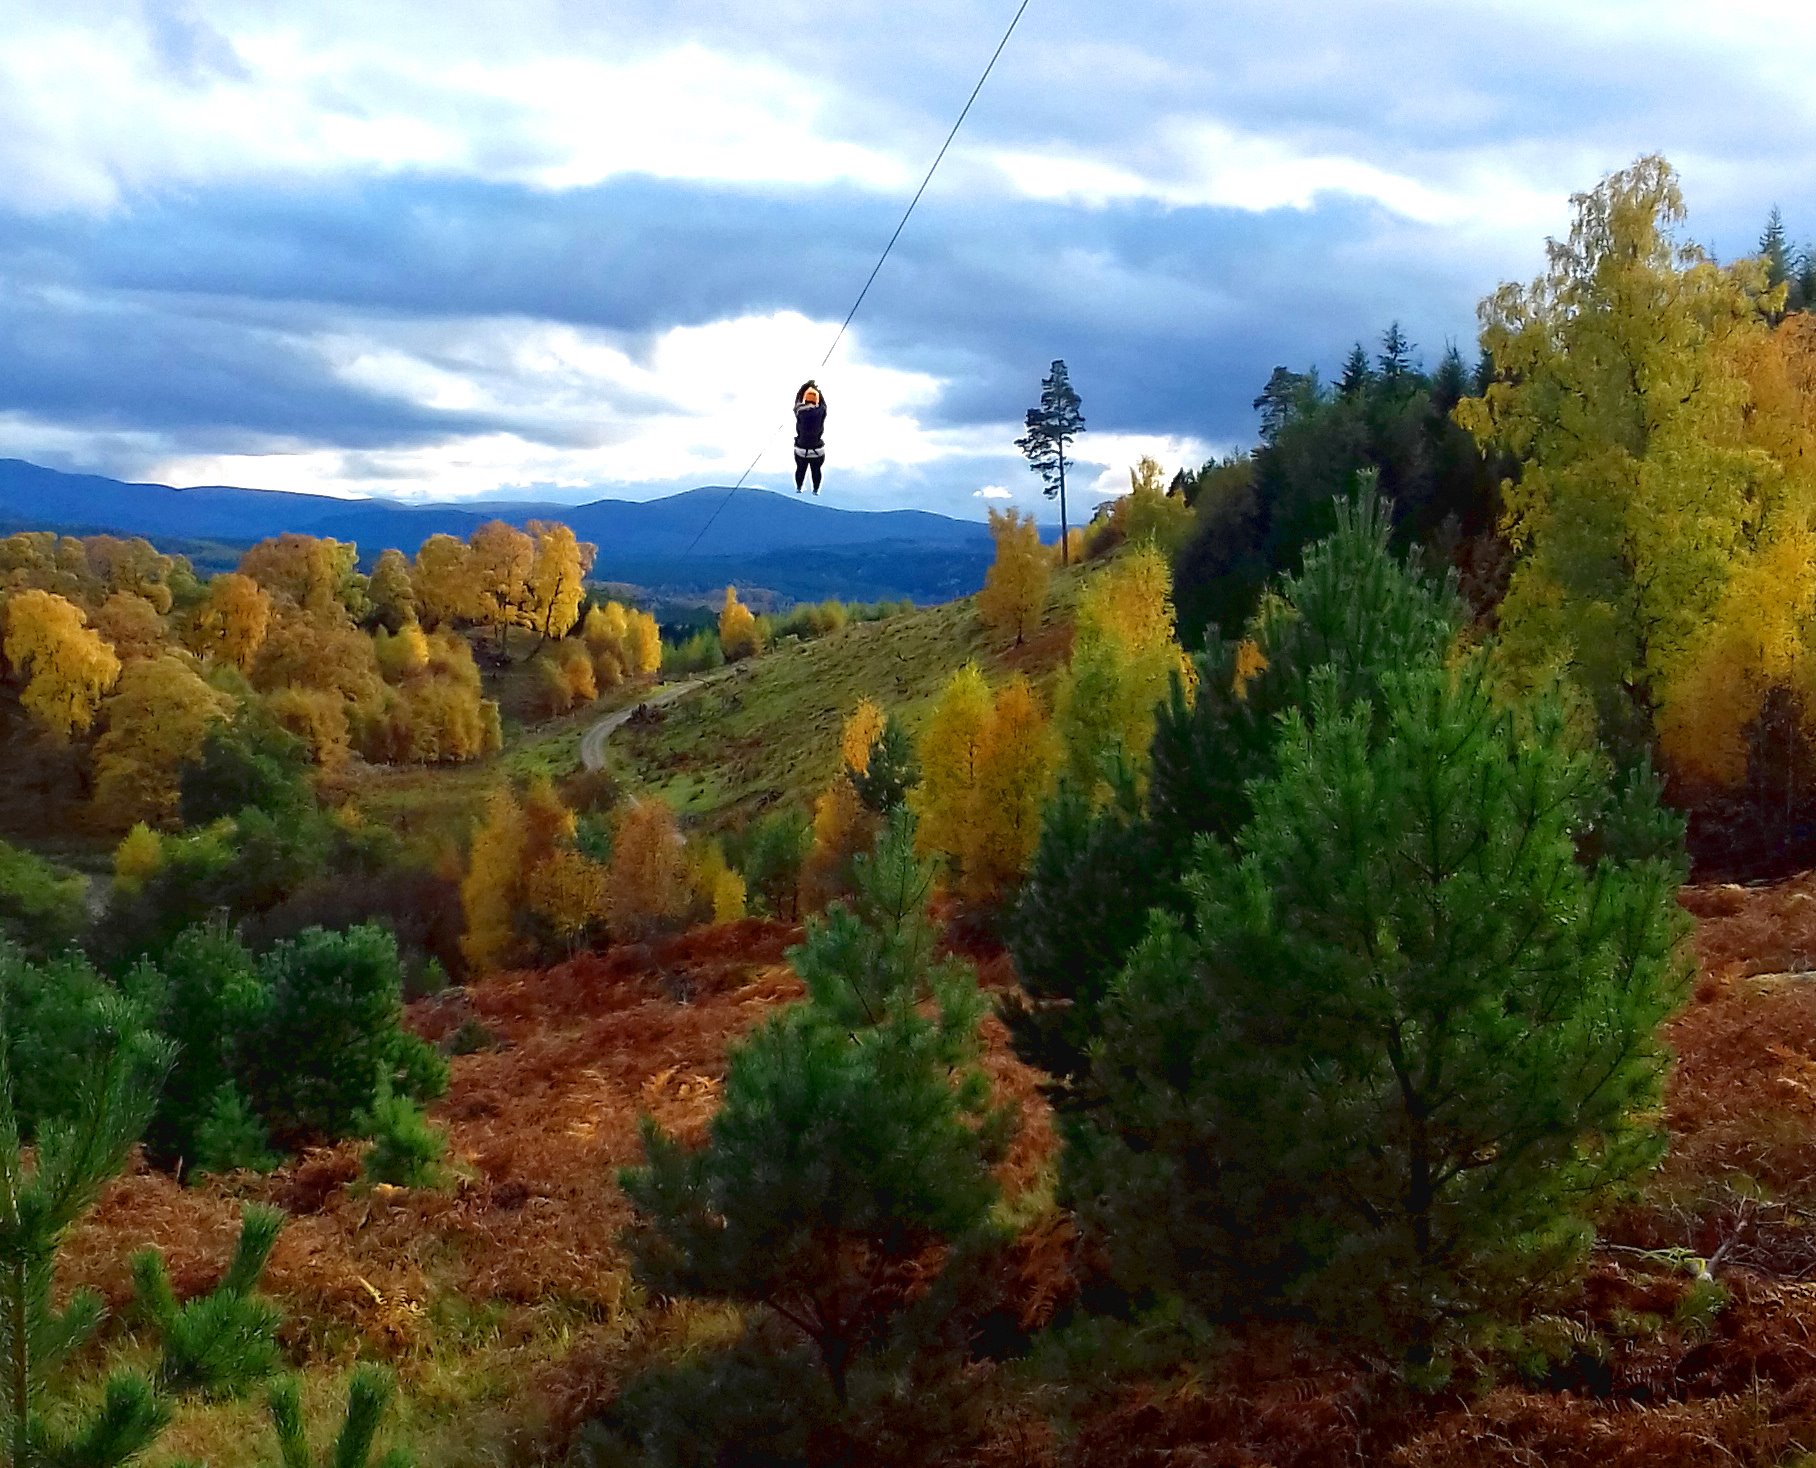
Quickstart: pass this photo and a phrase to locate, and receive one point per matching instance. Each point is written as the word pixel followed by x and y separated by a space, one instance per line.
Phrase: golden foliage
pixel 859 735
pixel 842 827
pixel 435 713
pixel 987 765
pixel 308 572
pixel 556 580
pixel 68 666
pixel 1250 661
pixel 318 717
pixel 739 636
pixel 442 582
pixel 624 643
pixel 488 893
pixel 499 569
pixel 718 890
pixel 138 858
pixel 131 626
pixel 568 677
pixel 567 890
pixel 391 592
pixel 1664 434
pixel 231 625
pixel 1123 659
pixel 649 885
pixel 1015 588
pixel 157 718
pixel 401 653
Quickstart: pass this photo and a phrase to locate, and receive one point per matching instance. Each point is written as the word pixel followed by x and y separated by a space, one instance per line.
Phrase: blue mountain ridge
pixel 795 546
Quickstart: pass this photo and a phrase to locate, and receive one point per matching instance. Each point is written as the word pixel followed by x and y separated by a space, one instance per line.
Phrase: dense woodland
pixel 1275 955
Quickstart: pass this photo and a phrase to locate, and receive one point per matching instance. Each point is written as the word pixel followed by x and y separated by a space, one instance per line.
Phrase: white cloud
pixel 991 492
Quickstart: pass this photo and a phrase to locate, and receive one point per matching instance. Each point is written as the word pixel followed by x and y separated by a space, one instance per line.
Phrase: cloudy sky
pixel 565 248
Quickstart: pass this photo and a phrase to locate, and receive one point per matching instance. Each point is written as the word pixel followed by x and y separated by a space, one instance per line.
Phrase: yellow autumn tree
pixel 66 666
pixel 490 889
pixel 718 890
pixel 987 765
pixel 499 566
pixel 1633 389
pixel 1151 511
pixel 649 885
pixel 738 633
pixel 1124 657
pixel 402 653
pixel 131 626
pixel 1016 764
pixel 391 592
pixel 157 718
pixel 951 746
pixel 644 644
pixel 1015 588
pixel 231 625
pixel 442 582
pixel 568 677
pixel 566 891
pixel 138 858
pixel 556 583
pixel 305 570
pixel 842 827
pixel 861 730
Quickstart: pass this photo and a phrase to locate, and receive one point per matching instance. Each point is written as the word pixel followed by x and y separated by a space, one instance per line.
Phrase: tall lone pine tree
pixel 1051 426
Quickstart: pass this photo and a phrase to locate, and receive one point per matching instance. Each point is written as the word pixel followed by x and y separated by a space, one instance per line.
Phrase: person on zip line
pixel 810 431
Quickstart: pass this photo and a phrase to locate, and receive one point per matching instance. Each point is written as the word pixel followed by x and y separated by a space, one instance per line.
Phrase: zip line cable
pixel 876 269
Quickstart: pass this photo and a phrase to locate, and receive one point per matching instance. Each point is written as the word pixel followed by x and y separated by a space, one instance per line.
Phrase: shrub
pixel 231 1138
pixel 768 853
pixel 856 1133
pixel 405 1151
pixel 701 653
pixel 254 762
pixel 420 909
pixel 43 909
pixel 332 1035
pixel 1410 1035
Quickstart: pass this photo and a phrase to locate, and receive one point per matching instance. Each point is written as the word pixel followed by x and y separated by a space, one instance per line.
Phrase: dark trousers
pixel 803 464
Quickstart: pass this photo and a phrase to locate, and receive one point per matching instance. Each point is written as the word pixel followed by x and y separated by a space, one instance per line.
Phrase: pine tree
pixel 855 1135
pixel 1050 429
pixel 218 1344
pixel 1358 374
pixel 890 769
pixel 1395 362
pixel 1410 1034
pixel 370 1391
pixel 1775 250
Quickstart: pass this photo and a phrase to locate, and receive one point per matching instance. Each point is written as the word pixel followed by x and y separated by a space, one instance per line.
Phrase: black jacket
pixel 810 425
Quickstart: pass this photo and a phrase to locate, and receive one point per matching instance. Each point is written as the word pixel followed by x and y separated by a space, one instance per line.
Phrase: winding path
pixel 592 743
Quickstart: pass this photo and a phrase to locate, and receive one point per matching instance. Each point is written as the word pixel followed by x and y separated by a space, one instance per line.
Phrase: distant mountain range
pixel 800 548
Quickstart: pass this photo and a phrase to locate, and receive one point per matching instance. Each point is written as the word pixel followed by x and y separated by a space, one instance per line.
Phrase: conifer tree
pixel 856 1132
pixel 1409 1037
pixel 1051 427
pixel 890 769
pixel 218 1344
pixel 370 1391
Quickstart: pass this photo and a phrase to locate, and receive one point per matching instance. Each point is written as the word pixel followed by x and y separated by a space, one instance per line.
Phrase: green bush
pixel 53 1016
pixel 43 909
pixel 406 1151
pixel 332 1034
pixel 1409 1037
pixel 856 1133
pixel 701 653
pixel 252 763
pixel 211 1000
pixel 768 854
pixel 231 1137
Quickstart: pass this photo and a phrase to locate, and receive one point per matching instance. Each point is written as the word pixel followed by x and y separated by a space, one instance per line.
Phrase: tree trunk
pixel 1065 535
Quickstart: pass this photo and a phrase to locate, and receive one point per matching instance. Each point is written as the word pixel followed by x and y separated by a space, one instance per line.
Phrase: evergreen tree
pixel 889 772
pixel 1051 427
pixel 855 1135
pixel 369 1394
pixel 1410 1034
pixel 1354 609
pixel 217 1345
pixel 1775 251
pixel 1395 361
pixel 1358 373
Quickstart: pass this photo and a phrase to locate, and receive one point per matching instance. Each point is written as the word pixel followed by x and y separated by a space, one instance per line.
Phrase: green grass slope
pixel 766 732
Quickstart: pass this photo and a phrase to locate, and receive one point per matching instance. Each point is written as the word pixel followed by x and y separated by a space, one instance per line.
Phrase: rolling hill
pixel 802 548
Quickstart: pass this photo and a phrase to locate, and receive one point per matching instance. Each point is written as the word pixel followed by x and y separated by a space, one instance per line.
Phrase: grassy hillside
pixel 766 732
